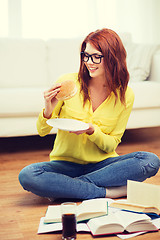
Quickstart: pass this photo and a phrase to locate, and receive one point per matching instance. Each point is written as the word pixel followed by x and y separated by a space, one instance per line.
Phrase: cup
pixel 68 211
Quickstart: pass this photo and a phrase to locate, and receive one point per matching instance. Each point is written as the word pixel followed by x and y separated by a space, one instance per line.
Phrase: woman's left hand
pixel 88 131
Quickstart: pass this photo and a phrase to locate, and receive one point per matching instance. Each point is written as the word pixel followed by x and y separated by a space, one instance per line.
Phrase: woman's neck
pixel 98 82
pixel 98 92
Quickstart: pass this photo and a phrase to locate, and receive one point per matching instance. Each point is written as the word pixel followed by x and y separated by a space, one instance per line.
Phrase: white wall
pixel 33 19
pixel 141 18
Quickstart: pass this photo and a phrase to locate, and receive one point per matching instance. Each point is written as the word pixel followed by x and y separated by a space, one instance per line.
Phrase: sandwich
pixel 67 90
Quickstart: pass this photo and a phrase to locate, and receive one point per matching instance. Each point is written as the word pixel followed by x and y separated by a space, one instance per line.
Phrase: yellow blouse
pixel 109 120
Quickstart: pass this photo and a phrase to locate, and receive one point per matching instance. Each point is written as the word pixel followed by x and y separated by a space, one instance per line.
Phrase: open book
pixel 112 223
pixel 56 227
pixel 124 204
pixel 119 222
pixel 86 210
pixel 141 197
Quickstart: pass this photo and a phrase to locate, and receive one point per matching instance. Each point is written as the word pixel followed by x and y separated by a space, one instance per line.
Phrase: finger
pixel 50 96
pixel 53 88
pixel 53 92
pixel 78 132
pixel 57 85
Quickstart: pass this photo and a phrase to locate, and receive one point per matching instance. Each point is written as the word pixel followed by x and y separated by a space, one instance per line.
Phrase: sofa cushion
pixel 18 126
pixel 139 58
pixel 147 94
pixel 29 101
pixel 21 101
pixel 22 63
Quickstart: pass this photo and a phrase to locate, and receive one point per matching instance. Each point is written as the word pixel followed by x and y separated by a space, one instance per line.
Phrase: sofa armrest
pixel 155 67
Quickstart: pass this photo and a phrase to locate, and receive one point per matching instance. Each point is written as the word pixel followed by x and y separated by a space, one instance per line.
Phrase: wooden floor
pixel 21 211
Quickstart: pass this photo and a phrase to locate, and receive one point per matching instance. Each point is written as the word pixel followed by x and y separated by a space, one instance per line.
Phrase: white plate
pixel 67 124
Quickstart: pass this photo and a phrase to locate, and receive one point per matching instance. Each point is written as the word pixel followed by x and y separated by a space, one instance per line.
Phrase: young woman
pixel 84 164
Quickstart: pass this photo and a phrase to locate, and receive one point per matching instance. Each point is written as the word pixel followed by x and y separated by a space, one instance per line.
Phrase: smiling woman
pixel 84 162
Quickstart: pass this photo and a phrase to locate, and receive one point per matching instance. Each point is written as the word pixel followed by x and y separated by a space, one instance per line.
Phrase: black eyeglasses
pixel 96 58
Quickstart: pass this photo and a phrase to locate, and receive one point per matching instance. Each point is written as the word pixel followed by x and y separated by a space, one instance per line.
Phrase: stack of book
pixel 95 217
pixel 141 197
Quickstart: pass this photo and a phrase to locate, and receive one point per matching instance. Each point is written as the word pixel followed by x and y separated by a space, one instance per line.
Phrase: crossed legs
pixel 108 178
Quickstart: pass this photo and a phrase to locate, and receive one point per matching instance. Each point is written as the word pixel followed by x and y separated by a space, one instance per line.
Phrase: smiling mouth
pixel 92 69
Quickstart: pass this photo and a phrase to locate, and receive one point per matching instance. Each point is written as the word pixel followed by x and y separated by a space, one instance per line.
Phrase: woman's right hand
pixel 50 100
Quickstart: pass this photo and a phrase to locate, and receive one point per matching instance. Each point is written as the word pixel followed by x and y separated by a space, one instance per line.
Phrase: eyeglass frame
pixel 90 56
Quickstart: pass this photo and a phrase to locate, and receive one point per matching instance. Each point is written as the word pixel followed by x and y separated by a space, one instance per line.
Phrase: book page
pixel 82 227
pixel 105 224
pixel 143 193
pixel 54 227
pixel 53 213
pixel 128 218
pixel 93 206
pixel 124 204
pixel 129 235
pixel 86 210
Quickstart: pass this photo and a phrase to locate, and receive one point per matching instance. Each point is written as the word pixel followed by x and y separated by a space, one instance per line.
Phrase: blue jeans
pixel 62 179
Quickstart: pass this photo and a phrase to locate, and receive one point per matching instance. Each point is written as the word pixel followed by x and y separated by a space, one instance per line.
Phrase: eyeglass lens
pixel 94 57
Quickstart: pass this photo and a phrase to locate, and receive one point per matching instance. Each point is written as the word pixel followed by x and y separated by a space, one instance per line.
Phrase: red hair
pixel 110 45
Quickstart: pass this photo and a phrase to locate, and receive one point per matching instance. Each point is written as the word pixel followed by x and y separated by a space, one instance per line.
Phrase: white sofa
pixel 29 66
